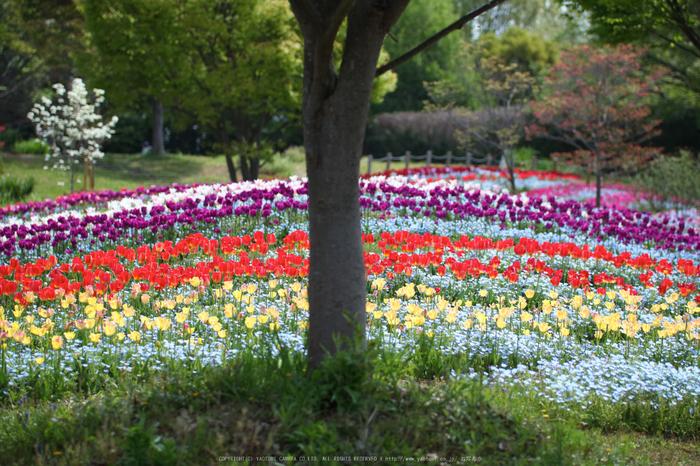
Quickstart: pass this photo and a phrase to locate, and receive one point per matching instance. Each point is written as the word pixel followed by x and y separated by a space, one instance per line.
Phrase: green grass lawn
pixel 116 171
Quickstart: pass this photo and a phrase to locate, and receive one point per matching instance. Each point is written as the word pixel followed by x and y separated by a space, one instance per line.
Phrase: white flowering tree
pixel 73 129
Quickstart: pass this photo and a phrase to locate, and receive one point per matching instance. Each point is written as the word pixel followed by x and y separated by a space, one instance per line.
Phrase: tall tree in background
pixel 56 31
pixel 334 116
pixel 464 86
pixel 133 53
pixel 21 70
pixel 597 101
pixel 504 92
pixel 421 19
pixel 242 73
pixel 671 31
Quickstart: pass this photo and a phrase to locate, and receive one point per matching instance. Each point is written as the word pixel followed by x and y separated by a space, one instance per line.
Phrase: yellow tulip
pixel 56 342
pixel 395 304
pixel 129 311
pixel 250 321
pixel 163 323
pixel 529 293
pixel 109 329
pixel 378 284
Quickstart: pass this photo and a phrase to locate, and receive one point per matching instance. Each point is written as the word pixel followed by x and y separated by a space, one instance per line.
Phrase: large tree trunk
pixel 510 162
pixel 250 168
pixel 231 166
pixel 334 117
pixel 158 143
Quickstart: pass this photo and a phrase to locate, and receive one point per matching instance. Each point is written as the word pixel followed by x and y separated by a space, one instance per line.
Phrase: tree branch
pixel 323 54
pixel 306 14
pixel 430 41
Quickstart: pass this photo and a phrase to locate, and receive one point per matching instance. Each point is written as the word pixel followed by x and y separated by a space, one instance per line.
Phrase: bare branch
pixel 436 37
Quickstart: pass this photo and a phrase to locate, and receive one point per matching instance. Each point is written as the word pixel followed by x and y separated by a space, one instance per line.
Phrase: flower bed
pixel 553 295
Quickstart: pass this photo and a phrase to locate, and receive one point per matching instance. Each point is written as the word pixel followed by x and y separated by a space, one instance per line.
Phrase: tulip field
pixel 538 292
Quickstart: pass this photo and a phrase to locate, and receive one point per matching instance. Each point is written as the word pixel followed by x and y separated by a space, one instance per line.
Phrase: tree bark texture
pixel 334 116
pixel 158 142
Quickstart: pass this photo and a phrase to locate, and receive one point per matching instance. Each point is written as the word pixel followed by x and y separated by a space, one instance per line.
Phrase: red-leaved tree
pixel 597 101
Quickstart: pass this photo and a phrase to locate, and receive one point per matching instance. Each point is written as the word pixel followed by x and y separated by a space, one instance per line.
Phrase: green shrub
pixel 15 190
pixel 31 146
pixel 9 137
pixel 671 180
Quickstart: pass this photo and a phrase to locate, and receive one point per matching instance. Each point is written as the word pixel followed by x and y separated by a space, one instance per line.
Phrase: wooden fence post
pixel 369 164
pixel 469 158
pixel 408 157
pixel 449 158
pixel 388 161
pixel 429 158
pixel 534 162
pixel 489 159
pixel 554 165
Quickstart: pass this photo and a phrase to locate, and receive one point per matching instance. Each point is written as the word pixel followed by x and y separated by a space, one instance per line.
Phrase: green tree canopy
pixel 21 70
pixel 670 27
pixel 422 19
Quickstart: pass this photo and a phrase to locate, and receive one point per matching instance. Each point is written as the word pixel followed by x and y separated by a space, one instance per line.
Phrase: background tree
pixel 671 31
pixel 241 74
pixel 56 30
pixel 421 19
pixel 21 70
pixel 133 53
pixel 73 127
pixel 503 112
pixel 334 116
pixel 597 101
pixel 475 64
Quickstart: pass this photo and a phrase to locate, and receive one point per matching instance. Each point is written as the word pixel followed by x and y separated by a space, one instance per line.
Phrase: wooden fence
pixel 447 159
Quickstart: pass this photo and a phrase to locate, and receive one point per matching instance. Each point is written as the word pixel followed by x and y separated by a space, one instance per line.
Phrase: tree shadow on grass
pixel 149 168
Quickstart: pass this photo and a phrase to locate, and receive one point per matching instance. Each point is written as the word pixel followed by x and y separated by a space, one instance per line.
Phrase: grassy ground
pixel 352 407
pixel 130 171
